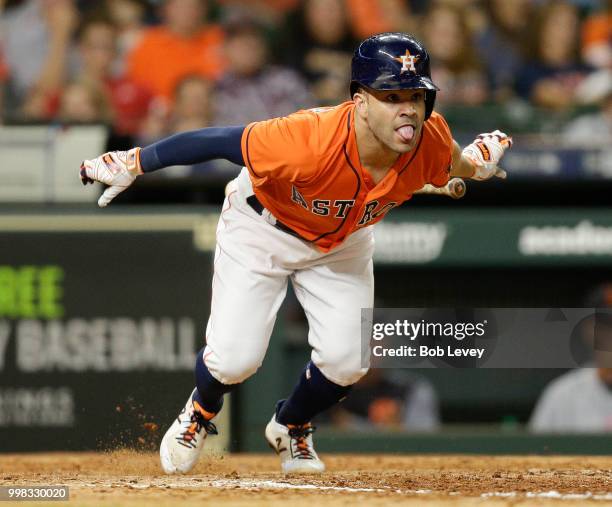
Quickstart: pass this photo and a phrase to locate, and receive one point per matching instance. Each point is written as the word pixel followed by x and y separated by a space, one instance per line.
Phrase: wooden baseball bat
pixel 455 188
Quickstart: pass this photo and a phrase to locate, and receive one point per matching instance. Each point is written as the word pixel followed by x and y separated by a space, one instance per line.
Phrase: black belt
pixel 254 203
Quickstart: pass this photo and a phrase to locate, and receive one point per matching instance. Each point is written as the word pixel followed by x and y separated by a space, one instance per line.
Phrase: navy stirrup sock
pixel 313 394
pixel 210 391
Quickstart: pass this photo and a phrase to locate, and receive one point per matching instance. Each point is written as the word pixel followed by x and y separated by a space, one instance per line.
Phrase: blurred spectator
pixel 190 109
pixel 192 105
pixel 183 45
pixel 251 88
pixel 22 31
pixel 551 78
pixel 383 401
pixel 128 17
pixel 377 16
pixel 597 38
pixel 316 40
pixel 455 68
pixel 84 101
pixel 97 51
pixel 36 36
pixel 593 130
pixel 499 43
pixel 580 401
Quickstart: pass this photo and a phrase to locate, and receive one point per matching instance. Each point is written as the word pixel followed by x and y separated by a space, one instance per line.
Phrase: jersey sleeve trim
pixel 247 157
pixel 448 143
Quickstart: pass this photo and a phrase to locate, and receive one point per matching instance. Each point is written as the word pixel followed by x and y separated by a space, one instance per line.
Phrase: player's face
pixel 396 117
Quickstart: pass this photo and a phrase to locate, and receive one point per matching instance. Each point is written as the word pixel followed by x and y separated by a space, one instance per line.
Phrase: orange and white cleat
pixel 184 441
pixel 293 443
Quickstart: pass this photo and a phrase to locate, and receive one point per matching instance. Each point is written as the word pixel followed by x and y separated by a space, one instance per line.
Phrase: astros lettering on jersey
pixel 306 171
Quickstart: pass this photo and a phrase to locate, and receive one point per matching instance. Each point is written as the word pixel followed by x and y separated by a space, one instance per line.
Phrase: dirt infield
pixel 126 478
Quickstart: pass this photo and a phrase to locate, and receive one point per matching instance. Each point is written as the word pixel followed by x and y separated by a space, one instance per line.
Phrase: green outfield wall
pixel 101 312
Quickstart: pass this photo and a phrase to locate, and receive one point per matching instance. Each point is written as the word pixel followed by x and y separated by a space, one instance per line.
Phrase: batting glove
pixel 117 169
pixel 485 153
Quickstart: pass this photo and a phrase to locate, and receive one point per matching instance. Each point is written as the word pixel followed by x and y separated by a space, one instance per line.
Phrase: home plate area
pixel 126 478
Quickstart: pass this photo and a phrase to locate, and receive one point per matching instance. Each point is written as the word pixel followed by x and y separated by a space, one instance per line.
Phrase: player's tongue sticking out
pixel 406 133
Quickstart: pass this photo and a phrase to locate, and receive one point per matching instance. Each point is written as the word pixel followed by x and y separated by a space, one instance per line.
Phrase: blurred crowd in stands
pixel 150 68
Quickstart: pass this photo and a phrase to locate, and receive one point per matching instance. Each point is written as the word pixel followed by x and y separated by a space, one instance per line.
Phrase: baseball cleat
pixel 293 443
pixel 184 441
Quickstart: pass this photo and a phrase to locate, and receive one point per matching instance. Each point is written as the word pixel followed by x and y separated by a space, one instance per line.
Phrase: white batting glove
pixel 117 169
pixel 485 153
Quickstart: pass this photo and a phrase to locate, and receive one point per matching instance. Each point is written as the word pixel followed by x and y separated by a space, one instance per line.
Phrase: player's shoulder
pixel 333 124
pixel 329 112
pixel 304 139
pixel 316 124
pixel 294 127
pixel 329 117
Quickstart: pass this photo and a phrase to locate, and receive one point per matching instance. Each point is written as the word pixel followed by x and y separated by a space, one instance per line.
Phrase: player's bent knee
pixel 342 366
pixel 342 375
pixel 234 371
pixel 349 377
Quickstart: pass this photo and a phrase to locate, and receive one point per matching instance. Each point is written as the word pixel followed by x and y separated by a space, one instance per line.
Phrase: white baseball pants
pixel 253 261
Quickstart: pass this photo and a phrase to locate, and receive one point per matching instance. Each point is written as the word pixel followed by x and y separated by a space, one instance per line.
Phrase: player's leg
pixel 247 292
pixel 332 294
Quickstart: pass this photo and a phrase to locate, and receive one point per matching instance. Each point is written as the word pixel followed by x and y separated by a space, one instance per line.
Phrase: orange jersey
pixel 305 170
pixel 597 29
pixel 162 59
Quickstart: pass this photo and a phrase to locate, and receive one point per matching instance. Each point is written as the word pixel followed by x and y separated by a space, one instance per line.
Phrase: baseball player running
pixel 311 186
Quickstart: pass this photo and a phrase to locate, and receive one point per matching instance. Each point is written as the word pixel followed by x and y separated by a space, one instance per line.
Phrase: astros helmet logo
pixel 407 60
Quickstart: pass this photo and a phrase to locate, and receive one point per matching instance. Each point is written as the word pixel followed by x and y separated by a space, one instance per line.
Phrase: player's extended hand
pixel 485 153
pixel 117 169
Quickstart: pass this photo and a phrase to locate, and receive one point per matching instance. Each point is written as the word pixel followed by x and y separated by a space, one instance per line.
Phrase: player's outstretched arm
pixel 119 169
pixel 479 160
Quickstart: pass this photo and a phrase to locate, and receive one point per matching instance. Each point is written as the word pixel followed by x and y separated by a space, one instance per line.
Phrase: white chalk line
pixel 268 484
pixel 550 494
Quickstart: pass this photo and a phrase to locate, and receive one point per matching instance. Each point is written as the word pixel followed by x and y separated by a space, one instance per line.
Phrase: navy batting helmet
pixel 393 61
